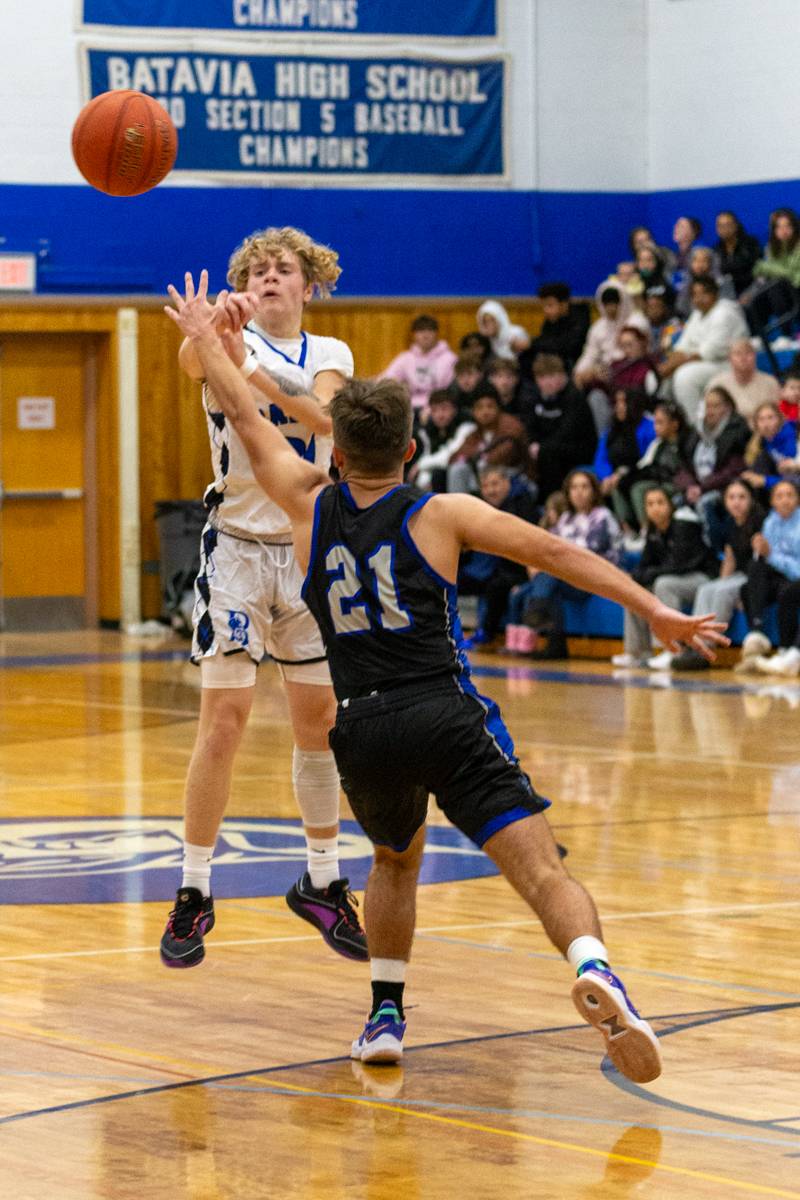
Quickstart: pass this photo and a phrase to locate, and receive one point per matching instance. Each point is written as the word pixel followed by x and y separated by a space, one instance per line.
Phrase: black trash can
pixel 180 523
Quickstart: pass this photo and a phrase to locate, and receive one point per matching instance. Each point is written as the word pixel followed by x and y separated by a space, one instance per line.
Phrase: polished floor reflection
pixel 680 807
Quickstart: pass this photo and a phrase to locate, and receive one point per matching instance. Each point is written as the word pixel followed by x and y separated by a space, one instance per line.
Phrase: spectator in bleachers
pixel 743 518
pixel 749 387
pixel 658 466
pixel 777 275
pixel 475 345
pixel 737 251
pixel 559 424
pixel 701 263
pixel 440 438
pixel 635 369
pixel 601 349
pixel 504 376
pixel 426 365
pixel 714 456
pixel 650 266
pixel 640 236
pixel 704 345
pixel 539 603
pixel 563 331
pixel 675 562
pixel 467 378
pixel 790 396
pixel 773 446
pixel 659 308
pixel 627 278
pixel 775 566
pixel 685 233
pixel 486 575
pixel 622 445
pixel 498 440
pixel 506 338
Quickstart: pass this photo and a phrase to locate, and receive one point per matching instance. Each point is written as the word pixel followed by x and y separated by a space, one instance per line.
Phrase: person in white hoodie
pixel 508 340
pixel 426 366
pixel 593 369
pixel 703 347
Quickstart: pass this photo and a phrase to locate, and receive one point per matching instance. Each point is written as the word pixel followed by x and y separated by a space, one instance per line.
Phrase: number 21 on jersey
pixel 351 610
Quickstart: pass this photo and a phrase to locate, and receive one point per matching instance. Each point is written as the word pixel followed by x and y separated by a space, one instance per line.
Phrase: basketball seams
pixel 124 142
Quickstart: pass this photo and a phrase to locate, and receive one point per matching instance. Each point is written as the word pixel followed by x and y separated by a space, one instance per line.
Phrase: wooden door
pixel 46 472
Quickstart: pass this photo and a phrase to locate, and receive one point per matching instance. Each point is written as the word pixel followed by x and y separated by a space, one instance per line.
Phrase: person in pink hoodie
pixel 426 366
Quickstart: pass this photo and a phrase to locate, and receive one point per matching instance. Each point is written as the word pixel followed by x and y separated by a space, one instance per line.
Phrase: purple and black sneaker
pixel 600 997
pixel 331 910
pixel 382 1039
pixel 190 920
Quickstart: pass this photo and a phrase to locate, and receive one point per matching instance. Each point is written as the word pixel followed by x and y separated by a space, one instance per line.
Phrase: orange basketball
pixel 124 143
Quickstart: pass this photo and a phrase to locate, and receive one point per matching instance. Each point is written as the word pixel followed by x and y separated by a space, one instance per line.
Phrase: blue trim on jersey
pixel 499 822
pixel 314 539
pixel 348 495
pixel 301 362
pixel 337 575
pixel 412 545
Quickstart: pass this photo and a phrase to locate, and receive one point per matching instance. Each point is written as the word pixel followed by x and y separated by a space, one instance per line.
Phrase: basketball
pixel 124 143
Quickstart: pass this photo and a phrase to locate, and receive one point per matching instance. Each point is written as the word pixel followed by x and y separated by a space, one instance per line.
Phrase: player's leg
pixel 226 697
pixel 526 853
pixel 390 914
pixel 322 895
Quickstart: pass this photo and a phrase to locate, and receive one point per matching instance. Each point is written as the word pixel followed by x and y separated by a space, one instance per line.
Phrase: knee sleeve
pixel 316 786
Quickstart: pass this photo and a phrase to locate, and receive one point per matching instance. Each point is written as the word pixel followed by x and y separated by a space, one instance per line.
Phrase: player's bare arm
pixel 288 479
pixel 449 524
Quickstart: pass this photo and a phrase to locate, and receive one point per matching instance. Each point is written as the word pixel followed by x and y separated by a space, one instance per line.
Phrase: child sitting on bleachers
pixel 774 569
pixel 772 450
pixel 440 438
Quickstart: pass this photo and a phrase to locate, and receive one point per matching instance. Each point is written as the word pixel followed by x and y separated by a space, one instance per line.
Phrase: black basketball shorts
pixel 395 748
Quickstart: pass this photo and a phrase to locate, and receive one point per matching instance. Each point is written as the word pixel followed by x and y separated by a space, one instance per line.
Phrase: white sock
pixel 388 970
pixel 197 867
pixel 585 948
pixel 323 860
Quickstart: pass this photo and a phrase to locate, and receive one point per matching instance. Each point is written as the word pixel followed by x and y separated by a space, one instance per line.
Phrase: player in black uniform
pixel 381 563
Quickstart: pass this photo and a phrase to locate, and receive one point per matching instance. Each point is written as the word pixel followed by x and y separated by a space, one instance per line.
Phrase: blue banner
pixel 291 115
pixel 374 18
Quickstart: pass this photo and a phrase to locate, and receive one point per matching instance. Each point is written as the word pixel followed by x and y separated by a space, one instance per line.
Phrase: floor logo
pixel 110 859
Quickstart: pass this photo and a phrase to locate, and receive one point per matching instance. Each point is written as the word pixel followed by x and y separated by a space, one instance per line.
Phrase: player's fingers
pixel 171 312
pixel 702 648
pixel 175 295
pixel 202 290
pixel 188 283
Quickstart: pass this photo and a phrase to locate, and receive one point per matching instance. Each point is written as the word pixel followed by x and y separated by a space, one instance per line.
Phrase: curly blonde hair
pixel 320 264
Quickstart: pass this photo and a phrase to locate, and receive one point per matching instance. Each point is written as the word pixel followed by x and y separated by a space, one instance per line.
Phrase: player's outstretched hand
pixel 701 633
pixel 194 316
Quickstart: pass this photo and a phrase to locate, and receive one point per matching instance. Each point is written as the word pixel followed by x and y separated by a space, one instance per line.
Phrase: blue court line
pixel 551 675
pixel 9 661
pixel 706 1017
pixel 633 1089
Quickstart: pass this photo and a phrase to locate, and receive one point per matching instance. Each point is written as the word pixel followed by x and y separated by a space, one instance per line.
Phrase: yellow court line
pixel 552 1143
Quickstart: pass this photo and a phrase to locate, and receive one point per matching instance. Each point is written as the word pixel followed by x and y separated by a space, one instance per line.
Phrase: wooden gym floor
pixel 679 804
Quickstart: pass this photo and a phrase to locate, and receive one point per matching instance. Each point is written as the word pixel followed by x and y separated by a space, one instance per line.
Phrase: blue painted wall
pixel 392 243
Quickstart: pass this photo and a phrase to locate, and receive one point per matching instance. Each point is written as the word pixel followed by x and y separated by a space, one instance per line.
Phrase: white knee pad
pixel 316 786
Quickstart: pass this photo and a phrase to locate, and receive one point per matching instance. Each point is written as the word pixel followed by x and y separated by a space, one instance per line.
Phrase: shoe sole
pixel 630 1042
pixel 196 956
pixel 298 907
pixel 385 1049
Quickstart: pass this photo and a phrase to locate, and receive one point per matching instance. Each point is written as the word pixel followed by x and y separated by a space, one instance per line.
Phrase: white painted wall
pixel 605 95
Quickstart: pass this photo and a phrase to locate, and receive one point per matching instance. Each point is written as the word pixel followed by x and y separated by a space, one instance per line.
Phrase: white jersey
pixel 236 502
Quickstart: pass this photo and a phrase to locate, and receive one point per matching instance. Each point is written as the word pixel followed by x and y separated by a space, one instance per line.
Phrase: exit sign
pixel 17 272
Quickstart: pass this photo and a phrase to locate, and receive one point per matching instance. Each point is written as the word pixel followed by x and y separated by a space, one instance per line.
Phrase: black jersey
pixel 386 617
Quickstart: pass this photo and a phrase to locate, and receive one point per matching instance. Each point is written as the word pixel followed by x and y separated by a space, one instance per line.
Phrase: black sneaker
pixel 190 920
pixel 331 910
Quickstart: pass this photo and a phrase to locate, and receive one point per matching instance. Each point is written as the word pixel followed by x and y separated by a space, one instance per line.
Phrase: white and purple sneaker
pixel 331 910
pixel 382 1039
pixel 601 999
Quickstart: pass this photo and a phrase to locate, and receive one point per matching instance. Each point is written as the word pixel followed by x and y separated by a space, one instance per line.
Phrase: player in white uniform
pixel 248 594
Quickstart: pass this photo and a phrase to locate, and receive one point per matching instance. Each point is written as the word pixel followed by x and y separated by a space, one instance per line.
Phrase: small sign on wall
pixel 36 412
pixel 17 272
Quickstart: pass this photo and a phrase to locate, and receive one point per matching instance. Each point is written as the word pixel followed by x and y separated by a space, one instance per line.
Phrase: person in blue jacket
pixel 775 566
pixel 773 442
pixel 622 445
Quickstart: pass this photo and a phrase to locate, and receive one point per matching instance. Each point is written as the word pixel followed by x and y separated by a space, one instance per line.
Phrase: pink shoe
pixel 527 639
pixel 512 633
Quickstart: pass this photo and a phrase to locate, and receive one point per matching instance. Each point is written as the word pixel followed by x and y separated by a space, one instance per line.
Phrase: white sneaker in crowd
pixel 755 643
pixel 625 660
pixel 784 662
pixel 660 662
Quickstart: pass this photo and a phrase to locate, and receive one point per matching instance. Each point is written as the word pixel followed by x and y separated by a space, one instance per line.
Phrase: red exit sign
pixel 17 272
